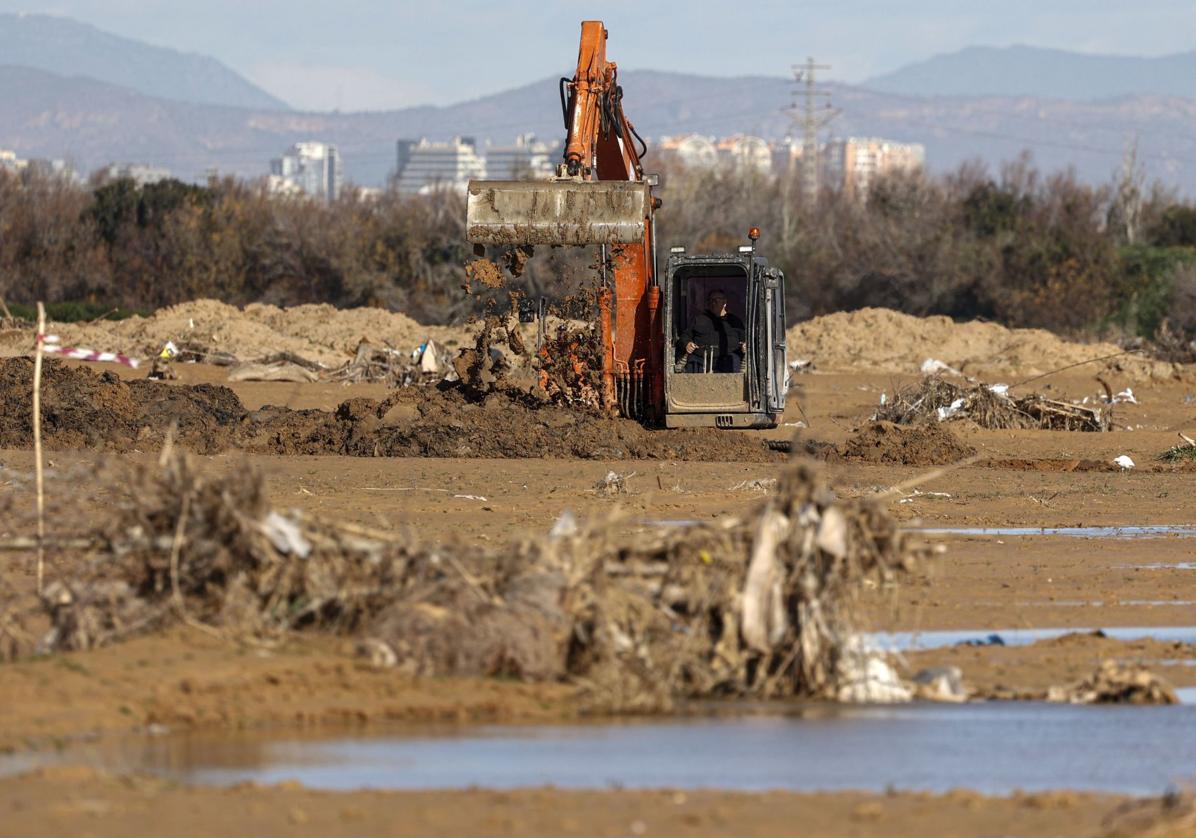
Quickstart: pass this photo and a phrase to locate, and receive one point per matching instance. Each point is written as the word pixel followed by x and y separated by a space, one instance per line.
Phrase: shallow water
pixel 1154 531
pixel 912 640
pixel 993 748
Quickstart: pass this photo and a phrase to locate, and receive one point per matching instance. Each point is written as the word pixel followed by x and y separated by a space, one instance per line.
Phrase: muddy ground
pixel 85 409
pixel 473 491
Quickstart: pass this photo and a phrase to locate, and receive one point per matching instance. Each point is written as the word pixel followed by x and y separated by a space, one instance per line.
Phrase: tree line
pixel 1015 246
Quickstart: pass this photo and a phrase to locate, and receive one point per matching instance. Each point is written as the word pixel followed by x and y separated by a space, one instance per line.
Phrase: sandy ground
pixel 185 679
pixel 81 801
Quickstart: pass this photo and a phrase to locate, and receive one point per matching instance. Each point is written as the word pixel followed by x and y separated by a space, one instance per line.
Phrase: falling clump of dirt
pixel 485 272
pixel 515 259
pixel 569 364
pixel 915 445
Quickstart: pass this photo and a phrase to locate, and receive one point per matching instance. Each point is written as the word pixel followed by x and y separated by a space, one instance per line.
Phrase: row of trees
pixel 1016 247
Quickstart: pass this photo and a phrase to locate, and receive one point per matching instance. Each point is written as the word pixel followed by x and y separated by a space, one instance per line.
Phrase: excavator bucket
pixel 565 212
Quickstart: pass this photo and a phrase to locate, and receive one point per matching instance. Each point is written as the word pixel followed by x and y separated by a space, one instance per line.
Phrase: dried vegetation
pixel 937 399
pixel 761 606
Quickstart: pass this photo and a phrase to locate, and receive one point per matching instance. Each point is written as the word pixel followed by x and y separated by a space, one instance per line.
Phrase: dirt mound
pixel 318 333
pixel 916 445
pixel 429 422
pixel 881 340
pixel 86 409
pixel 80 409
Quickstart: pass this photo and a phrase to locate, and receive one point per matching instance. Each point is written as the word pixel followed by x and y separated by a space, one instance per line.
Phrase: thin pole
pixel 37 445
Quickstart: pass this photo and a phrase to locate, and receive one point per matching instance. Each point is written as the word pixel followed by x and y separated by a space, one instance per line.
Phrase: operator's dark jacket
pixel 709 330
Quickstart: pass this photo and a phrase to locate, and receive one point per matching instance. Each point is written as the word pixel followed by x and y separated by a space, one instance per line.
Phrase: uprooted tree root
pixel 937 399
pixel 756 607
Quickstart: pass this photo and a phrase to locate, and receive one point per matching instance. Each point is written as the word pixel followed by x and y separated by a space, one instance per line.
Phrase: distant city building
pixel 9 161
pixel 52 168
pixel 856 161
pixel 745 153
pixel 786 155
pixel 139 173
pixel 691 150
pixel 525 160
pixel 424 166
pixel 309 168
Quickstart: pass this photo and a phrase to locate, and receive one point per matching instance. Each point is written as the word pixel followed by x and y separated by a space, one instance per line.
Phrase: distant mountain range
pixel 101 119
pixel 1047 73
pixel 70 48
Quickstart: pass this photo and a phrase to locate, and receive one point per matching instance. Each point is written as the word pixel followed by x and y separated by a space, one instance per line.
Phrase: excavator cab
pixel 735 377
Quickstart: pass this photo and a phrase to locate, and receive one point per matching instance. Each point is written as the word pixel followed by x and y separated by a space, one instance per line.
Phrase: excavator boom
pixel 600 197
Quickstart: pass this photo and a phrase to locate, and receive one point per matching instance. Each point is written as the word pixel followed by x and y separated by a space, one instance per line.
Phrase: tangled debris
pixel 1183 453
pixel 989 406
pixel 1117 683
pixel 756 607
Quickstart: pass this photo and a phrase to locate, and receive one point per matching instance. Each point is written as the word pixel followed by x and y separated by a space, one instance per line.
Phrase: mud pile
pixel 762 606
pixel 881 340
pixel 915 445
pixel 83 409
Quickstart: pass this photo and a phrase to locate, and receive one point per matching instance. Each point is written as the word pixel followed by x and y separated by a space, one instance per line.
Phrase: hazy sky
pixel 363 54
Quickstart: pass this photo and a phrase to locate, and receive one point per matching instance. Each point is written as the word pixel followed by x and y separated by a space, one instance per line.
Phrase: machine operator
pixel 714 342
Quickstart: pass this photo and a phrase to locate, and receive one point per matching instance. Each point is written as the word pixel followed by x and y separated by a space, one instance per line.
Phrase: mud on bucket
pixel 566 212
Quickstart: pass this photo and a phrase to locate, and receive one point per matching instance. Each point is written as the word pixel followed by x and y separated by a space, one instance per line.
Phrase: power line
pixel 811 121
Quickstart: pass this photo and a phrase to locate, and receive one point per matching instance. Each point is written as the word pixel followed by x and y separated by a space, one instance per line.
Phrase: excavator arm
pixel 600 197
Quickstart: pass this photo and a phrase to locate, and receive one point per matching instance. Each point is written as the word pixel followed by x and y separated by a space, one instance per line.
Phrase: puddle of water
pixel 911 640
pixel 1088 603
pixel 1159 531
pixel 1129 532
pixel 994 748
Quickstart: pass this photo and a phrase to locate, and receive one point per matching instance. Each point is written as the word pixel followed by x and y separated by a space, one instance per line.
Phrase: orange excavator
pixel 702 343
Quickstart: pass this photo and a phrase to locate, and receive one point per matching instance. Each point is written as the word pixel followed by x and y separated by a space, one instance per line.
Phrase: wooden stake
pixel 37 445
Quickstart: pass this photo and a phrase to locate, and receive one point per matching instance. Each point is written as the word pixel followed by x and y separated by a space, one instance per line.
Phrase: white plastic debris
pixel 999 389
pixel 801 365
pixel 945 413
pixel 884 399
pixel 932 365
pixel 470 497
pixel 1126 396
pixel 429 359
pixel 832 532
pixel 285 535
pixel 866 677
pixel 565 526
pixel 1125 462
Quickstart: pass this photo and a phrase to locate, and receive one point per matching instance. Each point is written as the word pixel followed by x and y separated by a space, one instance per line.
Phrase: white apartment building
pixel 525 160
pixel 308 168
pixel 139 173
pixel 424 166
pixel 857 161
pixel 693 150
pixel 744 152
